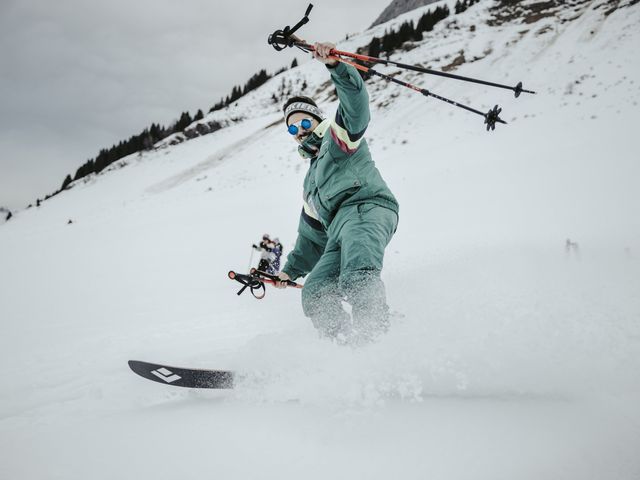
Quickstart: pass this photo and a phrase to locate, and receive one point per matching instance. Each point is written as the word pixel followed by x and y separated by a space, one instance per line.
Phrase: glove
pixel 283 279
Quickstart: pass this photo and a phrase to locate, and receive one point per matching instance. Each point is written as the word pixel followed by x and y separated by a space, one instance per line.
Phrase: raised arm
pixel 353 113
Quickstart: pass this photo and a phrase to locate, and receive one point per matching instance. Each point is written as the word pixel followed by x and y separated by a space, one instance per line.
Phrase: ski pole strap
pixel 281 39
pixel 252 283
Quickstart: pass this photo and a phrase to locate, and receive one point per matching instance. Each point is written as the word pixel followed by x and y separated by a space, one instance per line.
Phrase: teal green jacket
pixel 342 173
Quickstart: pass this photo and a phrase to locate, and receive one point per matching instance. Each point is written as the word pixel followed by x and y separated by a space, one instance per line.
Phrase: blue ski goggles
pixel 304 123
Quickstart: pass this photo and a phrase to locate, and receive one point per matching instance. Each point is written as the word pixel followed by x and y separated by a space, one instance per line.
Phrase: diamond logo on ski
pixel 166 375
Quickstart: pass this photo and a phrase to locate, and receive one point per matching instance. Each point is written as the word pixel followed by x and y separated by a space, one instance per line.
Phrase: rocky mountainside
pixel 398 7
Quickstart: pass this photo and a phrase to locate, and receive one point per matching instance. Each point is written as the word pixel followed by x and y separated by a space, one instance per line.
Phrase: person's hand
pixel 283 280
pixel 322 52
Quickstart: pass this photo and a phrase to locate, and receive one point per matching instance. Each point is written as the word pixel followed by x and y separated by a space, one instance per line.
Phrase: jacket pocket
pixel 338 180
pixel 335 193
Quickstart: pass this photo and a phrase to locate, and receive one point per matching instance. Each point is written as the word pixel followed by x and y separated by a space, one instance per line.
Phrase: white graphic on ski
pixel 166 375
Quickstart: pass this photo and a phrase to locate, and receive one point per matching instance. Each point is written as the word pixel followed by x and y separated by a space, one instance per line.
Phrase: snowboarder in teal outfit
pixel 349 214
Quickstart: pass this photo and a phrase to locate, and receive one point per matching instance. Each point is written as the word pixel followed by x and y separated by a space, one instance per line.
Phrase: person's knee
pixel 353 282
pixel 323 305
pixel 315 295
pixel 309 299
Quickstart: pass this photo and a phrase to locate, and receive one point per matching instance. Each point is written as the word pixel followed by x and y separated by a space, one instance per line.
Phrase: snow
pixel 512 358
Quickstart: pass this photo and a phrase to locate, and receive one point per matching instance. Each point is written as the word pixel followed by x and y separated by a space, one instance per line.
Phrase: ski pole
pixel 490 118
pixel 366 58
pixel 283 38
pixel 251 282
pixel 273 279
pixel 256 280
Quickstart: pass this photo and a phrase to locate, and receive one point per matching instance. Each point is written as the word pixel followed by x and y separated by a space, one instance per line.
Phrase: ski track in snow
pixel 512 357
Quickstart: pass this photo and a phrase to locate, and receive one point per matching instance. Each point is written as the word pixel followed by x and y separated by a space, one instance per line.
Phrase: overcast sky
pixel 80 75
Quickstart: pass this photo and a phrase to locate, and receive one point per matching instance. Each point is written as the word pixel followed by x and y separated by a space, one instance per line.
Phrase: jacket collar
pixel 311 146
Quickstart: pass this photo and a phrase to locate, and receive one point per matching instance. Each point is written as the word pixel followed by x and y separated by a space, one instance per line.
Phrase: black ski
pixel 183 377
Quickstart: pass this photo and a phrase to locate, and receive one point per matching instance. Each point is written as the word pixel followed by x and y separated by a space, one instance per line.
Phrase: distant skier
pixel 349 213
pixel 265 247
pixel 276 253
pixel 571 247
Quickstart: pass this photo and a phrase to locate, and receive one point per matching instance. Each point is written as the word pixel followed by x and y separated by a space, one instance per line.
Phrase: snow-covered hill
pixel 515 358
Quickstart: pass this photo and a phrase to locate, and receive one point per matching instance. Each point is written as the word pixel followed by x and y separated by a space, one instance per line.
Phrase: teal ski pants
pixel 349 270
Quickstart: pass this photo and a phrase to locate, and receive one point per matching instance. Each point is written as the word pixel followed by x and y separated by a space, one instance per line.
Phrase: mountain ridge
pixel 398 7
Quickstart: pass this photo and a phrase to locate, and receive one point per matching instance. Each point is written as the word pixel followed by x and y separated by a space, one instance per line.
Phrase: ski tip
pixel 183 377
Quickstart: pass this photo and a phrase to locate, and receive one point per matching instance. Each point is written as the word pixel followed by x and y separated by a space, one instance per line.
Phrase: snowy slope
pixel 514 359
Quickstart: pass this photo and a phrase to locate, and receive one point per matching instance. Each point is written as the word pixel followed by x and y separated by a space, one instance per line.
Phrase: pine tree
pixel 294 64
pixel 388 42
pixel 374 47
pixel 155 132
pixel 66 182
pixel 183 122
pixel 405 33
pixel 147 140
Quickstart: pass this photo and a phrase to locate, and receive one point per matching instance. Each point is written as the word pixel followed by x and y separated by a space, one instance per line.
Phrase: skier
pixel 349 214
pixel 264 247
pixel 276 253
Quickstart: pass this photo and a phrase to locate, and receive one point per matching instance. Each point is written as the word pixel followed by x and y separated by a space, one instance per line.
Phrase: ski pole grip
pixel 291 283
